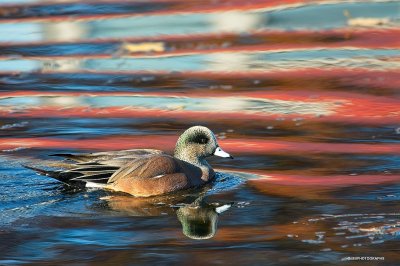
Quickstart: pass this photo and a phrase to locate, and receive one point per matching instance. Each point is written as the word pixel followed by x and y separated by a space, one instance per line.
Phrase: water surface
pixel 305 96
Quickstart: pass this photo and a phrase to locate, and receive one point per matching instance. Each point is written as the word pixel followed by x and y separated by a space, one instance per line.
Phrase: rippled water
pixel 304 94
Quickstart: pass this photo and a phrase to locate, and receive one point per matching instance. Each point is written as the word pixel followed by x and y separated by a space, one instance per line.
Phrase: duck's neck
pixel 187 156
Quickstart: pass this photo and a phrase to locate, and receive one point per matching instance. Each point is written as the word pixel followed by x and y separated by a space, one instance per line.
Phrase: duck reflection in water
pixel 199 219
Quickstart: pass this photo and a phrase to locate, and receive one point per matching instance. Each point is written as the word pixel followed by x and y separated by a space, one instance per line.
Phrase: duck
pixel 142 172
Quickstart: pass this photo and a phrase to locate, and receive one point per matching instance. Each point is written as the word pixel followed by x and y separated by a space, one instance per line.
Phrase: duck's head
pixel 198 142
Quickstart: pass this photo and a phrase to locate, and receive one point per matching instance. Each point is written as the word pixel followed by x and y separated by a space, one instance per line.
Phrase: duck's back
pixel 155 175
pixel 109 158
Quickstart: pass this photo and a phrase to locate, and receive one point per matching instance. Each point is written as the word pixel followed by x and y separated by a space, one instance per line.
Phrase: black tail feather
pixel 50 173
pixel 79 158
pixel 64 177
pixel 97 178
pixel 77 176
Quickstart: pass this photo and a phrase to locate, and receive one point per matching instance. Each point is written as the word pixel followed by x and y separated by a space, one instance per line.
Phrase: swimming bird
pixel 143 172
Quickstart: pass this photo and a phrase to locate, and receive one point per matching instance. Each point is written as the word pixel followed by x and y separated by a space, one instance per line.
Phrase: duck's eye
pixel 199 139
pixel 203 141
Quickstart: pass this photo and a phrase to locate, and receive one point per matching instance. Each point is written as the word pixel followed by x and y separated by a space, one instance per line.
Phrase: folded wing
pixel 98 167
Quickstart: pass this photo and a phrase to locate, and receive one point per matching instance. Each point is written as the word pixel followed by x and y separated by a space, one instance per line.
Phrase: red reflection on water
pixel 31 11
pixel 385 112
pixel 324 181
pixel 302 95
pixel 274 41
pixel 308 186
pixel 231 145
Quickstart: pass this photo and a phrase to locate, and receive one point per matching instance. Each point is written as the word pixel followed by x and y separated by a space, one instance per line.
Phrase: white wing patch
pixel 95 185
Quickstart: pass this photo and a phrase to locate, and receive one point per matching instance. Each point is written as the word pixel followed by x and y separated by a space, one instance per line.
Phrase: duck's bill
pixel 219 152
pixel 223 208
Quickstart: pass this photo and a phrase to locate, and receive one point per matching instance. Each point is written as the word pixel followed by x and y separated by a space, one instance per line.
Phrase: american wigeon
pixel 144 172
